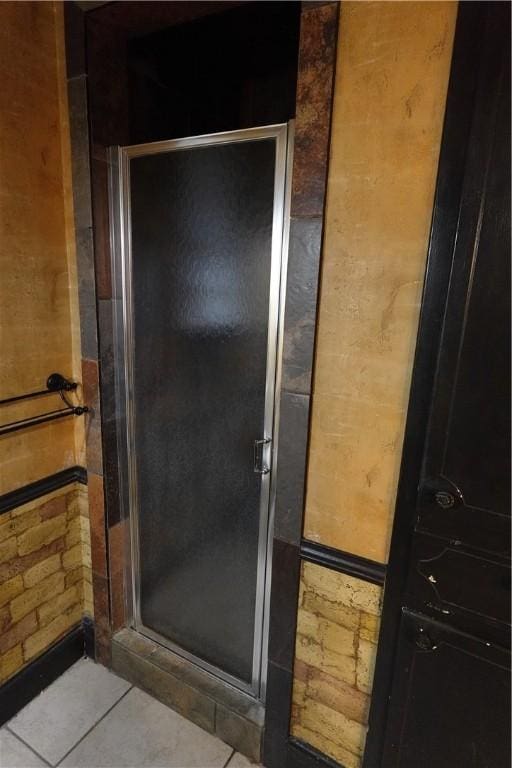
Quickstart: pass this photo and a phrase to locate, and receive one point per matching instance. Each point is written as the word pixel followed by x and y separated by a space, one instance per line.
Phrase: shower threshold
pixel 211 703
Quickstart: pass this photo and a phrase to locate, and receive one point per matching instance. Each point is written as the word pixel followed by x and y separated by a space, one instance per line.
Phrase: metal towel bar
pixel 55 384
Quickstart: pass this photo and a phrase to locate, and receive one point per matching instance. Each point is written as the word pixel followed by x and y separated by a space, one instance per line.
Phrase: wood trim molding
pixel 344 562
pixel 304 755
pixel 41 487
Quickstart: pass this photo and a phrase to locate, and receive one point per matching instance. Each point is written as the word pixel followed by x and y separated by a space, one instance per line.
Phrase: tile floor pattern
pixel 90 718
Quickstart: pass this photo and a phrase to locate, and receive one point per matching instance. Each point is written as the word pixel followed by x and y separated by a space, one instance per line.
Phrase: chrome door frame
pixel 121 257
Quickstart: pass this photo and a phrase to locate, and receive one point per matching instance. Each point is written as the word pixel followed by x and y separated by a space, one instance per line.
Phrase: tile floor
pixel 90 718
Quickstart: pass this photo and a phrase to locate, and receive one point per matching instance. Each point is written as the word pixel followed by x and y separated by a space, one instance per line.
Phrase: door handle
pixel 441 492
pixel 259 446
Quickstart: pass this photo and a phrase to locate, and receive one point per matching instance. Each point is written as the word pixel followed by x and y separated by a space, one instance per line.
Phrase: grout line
pixel 93 726
pixel 34 751
pixel 229 759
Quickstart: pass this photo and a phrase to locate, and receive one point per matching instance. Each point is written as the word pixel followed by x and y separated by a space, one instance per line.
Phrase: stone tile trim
pixel 117 540
pixel 215 706
pixel 45 574
pixel 315 81
pixel 91 226
pixel 80 167
pixel 283 612
pixel 89 172
pixel 91 393
pixel 301 303
pixel 100 568
pixel 291 466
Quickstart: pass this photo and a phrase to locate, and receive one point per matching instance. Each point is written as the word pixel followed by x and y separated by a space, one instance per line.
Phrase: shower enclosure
pixel 199 234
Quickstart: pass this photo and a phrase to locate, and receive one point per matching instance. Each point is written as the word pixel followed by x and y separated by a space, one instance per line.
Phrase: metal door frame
pixel 120 236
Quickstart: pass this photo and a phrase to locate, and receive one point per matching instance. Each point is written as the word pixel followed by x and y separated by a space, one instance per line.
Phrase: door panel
pixel 451 697
pixel 468 446
pixel 442 678
pixel 452 583
pixel 205 229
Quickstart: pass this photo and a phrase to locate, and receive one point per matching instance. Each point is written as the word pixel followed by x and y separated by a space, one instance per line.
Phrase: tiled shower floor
pixel 90 718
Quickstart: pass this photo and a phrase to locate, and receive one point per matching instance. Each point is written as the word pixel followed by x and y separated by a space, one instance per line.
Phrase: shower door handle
pixel 259 449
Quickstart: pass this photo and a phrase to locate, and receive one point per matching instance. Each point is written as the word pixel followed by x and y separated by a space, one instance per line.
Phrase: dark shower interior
pixel 159 77
pixel 230 70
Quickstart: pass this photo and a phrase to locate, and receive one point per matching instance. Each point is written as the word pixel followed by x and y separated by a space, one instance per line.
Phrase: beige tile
pixel 15 754
pixel 142 732
pixel 239 761
pixel 54 721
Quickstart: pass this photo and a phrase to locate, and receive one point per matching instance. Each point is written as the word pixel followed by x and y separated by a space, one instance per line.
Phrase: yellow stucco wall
pixel 390 91
pixel 39 325
pixel 45 561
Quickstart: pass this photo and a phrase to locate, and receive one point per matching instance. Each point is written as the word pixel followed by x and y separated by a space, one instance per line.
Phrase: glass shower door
pixel 203 224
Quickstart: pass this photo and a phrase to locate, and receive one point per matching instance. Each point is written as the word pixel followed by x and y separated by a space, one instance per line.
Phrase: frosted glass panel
pixel 201 223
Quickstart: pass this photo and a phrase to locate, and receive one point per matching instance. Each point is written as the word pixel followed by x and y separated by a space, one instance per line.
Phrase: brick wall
pixel 337 631
pixel 45 574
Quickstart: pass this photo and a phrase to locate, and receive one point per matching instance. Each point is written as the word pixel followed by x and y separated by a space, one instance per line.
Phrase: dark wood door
pixel 449 699
pixel 442 684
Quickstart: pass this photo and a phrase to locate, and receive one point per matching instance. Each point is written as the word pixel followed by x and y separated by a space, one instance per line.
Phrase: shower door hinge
pixel 262 447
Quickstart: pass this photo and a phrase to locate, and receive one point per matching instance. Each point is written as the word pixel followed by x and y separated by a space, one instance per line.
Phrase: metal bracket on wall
pixel 55 384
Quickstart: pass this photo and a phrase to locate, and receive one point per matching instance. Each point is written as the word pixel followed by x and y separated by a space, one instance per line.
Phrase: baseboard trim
pixel 41 487
pixel 17 692
pixel 89 637
pixel 302 755
pixel 344 562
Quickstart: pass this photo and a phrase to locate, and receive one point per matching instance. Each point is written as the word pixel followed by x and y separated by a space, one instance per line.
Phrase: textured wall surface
pixel 337 633
pixel 45 560
pixel 45 574
pixel 38 310
pixel 390 91
pixel 391 81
